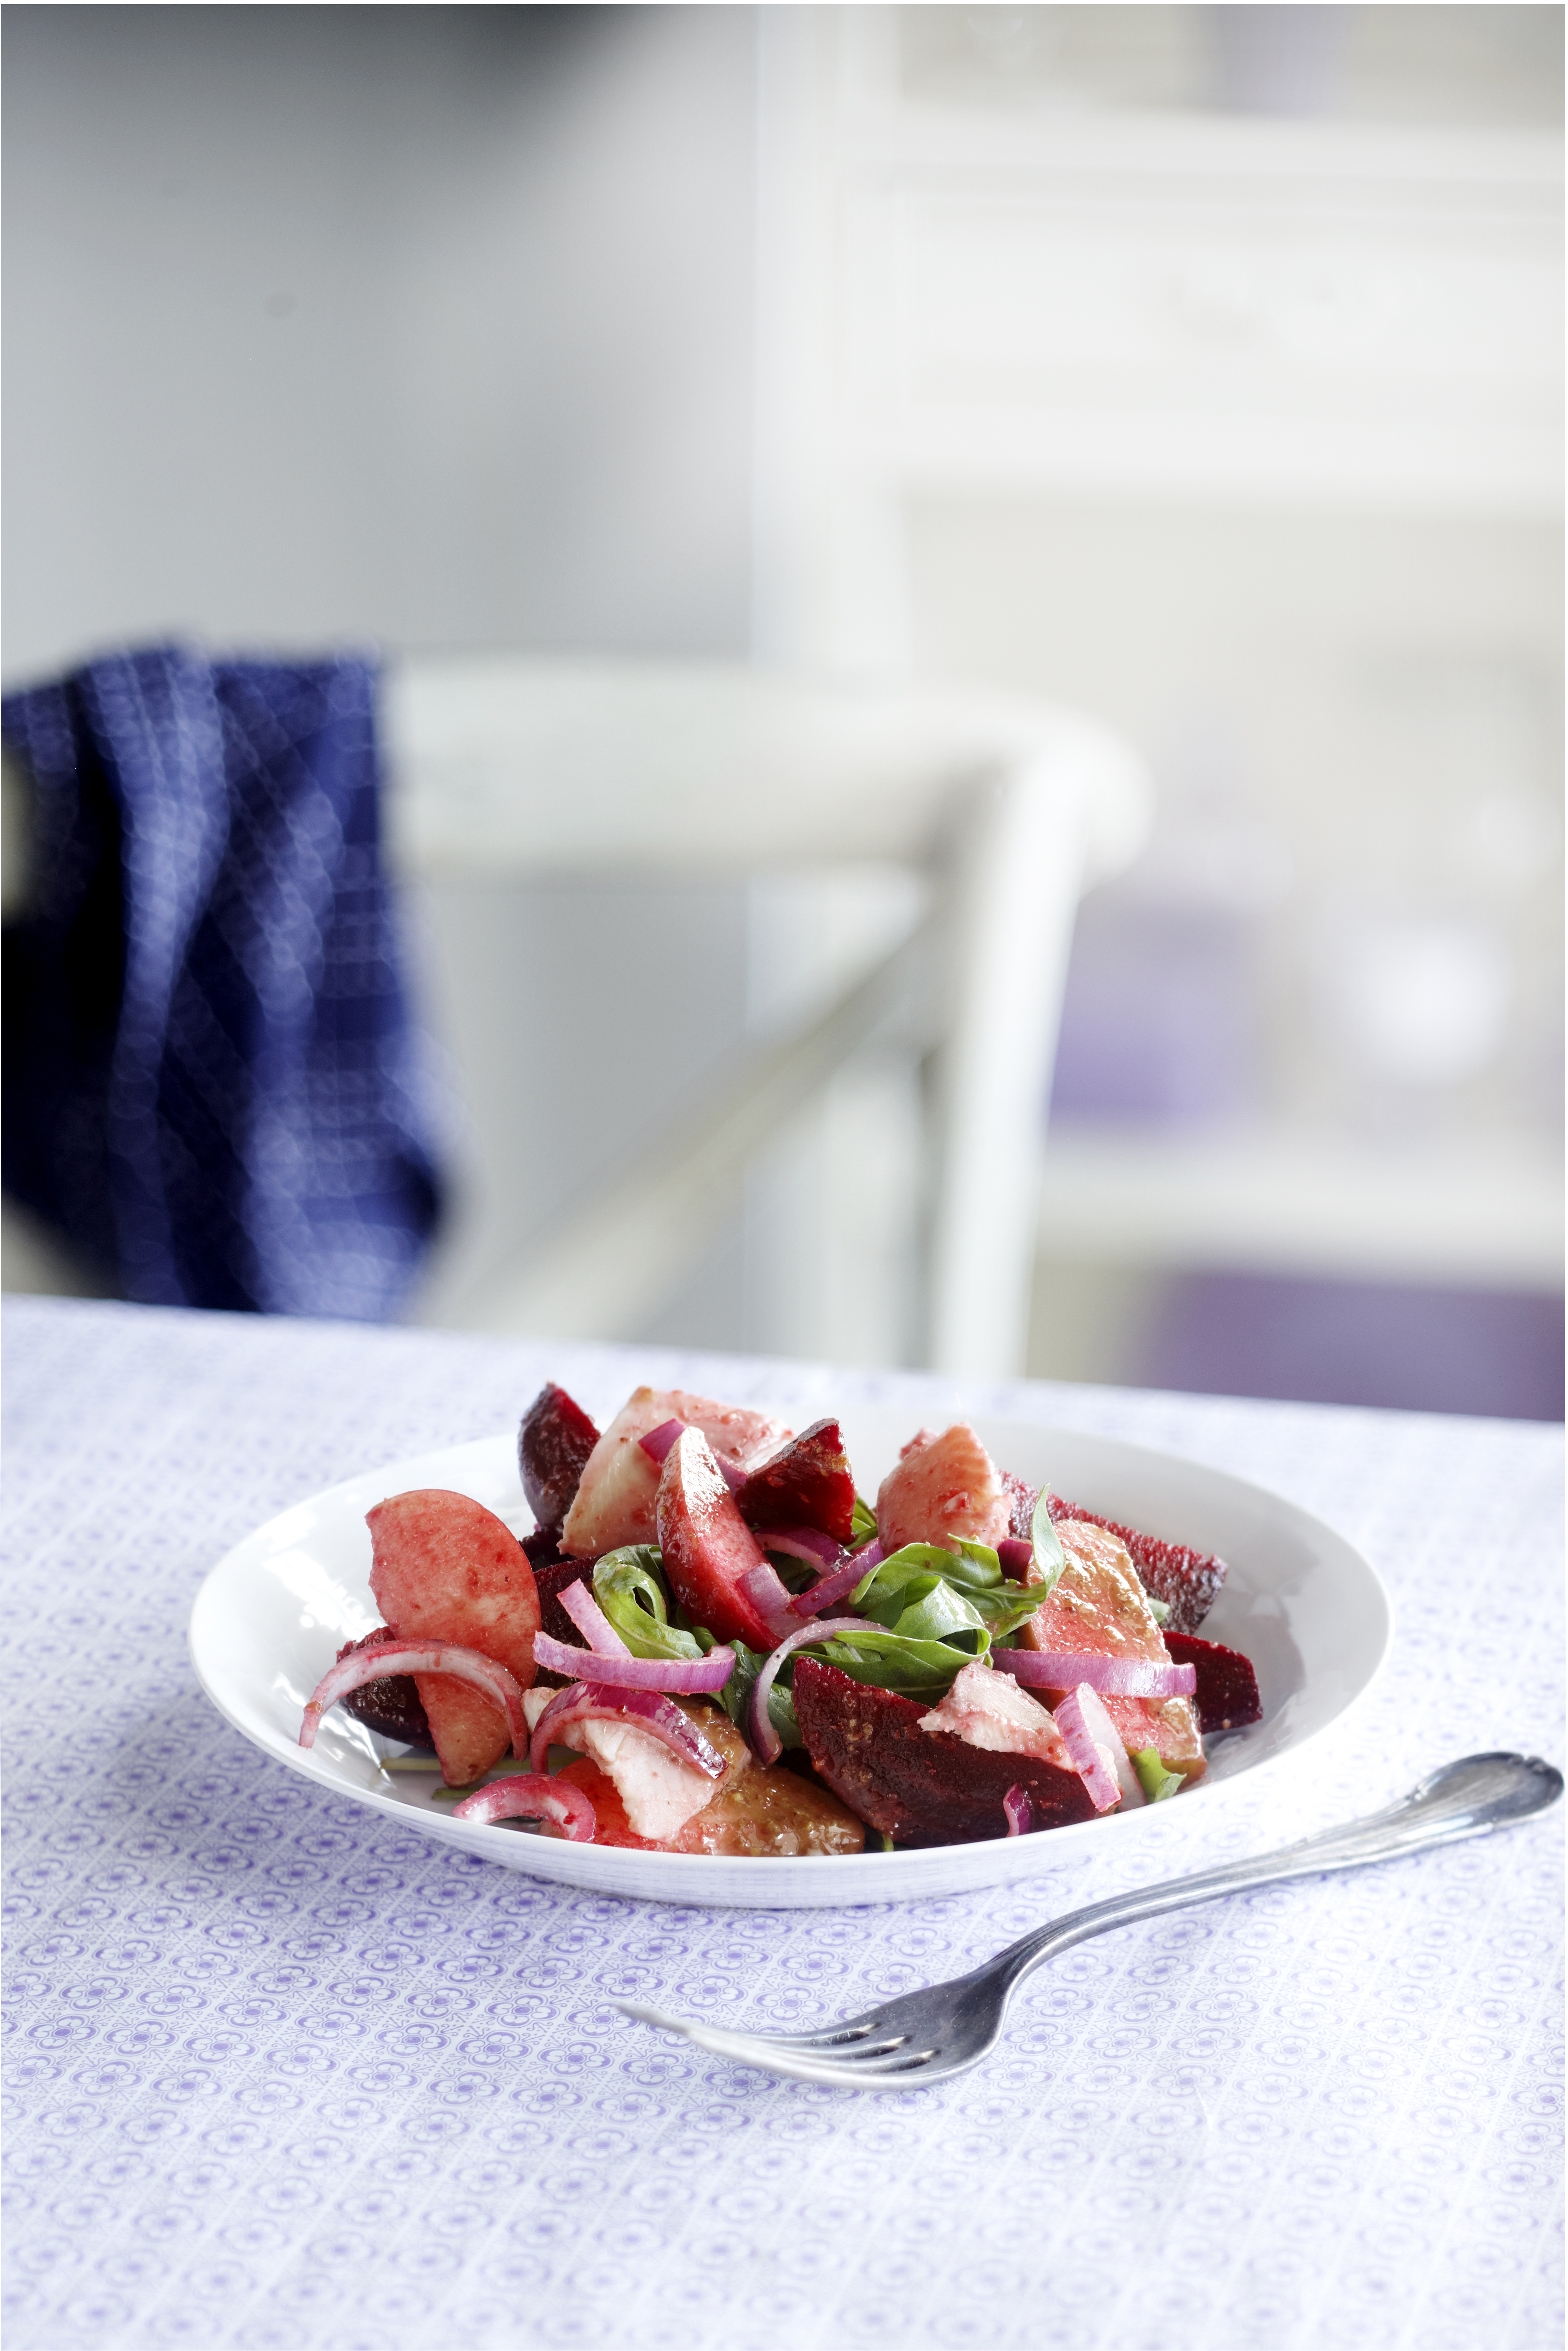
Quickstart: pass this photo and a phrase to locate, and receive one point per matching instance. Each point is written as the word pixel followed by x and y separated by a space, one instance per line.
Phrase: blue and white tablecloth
pixel 282 2072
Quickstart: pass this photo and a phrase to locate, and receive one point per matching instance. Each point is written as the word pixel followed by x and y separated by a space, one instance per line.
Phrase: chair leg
pixel 1016 878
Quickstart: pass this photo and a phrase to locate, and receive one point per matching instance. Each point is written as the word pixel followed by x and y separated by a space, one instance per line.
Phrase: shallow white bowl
pixel 1303 1605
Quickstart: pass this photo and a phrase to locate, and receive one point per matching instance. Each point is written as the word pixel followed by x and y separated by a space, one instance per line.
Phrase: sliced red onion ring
pixel 1016 1558
pixel 1018 1804
pixel 591 1621
pixel 833 1587
pixel 769 1596
pixel 1064 1669
pixel 658 1442
pixel 766 1743
pixel 536 1795
pixel 643 1709
pixel 1090 1761
pixel 401 1656
pixel 1108 1740
pixel 684 1677
pixel 808 1544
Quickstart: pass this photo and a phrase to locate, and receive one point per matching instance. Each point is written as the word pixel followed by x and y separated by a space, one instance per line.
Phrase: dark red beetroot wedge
pixel 1023 1499
pixel 1226 1693
pixel 553 1445
pixel 1187 1581
pixel 443 1567
pixel 550 1581
pixel 706 1545
pixel 919 1787
pixel 390 1706
pixel 807 1482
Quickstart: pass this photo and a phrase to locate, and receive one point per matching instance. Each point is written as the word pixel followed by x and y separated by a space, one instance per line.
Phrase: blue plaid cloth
pixel 210 1082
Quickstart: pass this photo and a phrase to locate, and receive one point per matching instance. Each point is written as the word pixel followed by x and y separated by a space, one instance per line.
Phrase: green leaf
pixel 1160 1610
pixel 1155 1781
pixel 629 1585
pixel 735 1695
pixel 1049 1559
pixel 862 1526
pixel 973 1575
pixel 896 1660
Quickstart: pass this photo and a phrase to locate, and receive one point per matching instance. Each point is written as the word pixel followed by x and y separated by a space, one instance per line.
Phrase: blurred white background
pixel 1200 366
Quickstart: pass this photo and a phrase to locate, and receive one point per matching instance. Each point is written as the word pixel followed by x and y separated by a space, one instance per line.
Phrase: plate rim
pixel 540 1857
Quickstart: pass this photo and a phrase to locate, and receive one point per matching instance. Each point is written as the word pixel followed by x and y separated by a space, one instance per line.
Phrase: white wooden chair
pixel 510 767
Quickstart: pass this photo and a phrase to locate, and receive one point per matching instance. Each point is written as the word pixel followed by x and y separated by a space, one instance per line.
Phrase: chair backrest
pixel 498 763
pixel 502 766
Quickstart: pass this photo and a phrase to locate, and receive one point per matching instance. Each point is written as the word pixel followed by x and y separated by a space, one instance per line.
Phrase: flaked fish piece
pixel 659 1792
pixel 943 1487
pixel 615 1497
pixel 990 1709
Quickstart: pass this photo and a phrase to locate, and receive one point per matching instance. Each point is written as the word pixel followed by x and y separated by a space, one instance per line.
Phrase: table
pixel 284 2074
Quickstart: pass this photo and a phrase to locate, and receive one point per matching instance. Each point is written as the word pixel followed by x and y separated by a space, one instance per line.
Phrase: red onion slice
pixel 833 1587
pixel 1016 1558
pixel 537 1796
pixel 766 1743
pixel 643 1709
pixel 1108 1740
pixel 659 1441
pixel 1064 1669
pixel 1018 1804
pixel 684 1677
pixel 769 1596
pixel 591 1621
pixel 1090 1761
pixel 808 1544
pixel 401 1656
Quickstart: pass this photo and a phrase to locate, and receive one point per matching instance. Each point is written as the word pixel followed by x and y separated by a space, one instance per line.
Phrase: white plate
pixel 1303 1605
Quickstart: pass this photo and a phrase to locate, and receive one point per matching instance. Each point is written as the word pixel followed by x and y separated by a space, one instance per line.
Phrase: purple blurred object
pixel 1498 1353
pixel 1158 1021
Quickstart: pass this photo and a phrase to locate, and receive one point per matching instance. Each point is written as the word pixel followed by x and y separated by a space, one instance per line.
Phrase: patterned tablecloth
pixel 285 2074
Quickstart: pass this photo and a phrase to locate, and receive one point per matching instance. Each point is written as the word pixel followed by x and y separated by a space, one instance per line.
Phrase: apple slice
pixel 443 1567
pixel 807 1482
pixel 921 1787
pixel 553 1447
pixel 707 1545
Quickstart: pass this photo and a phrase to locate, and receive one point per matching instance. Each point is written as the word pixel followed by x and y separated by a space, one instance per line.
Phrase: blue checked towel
pixel 211 1087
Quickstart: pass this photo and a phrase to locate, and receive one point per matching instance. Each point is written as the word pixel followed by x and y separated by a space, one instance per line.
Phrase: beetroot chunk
pixel 1022 1498
pixel 553 1445
pixel 919 1787
pixel 390 1705
pixel 807 1483
pixel 550 1580
pixel 1187 1581
pixel 1227 1686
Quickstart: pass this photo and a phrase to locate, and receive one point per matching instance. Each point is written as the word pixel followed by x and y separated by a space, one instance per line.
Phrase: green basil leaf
pixel 1049 1559
pixel 862 1525
pixel 735 1695
pixel 629 1585
pixel 898 1661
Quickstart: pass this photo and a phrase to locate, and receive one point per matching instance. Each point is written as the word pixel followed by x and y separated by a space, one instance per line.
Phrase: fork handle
pixel 1470 1798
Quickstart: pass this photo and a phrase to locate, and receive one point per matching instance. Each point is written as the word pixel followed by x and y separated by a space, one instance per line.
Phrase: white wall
pixel 422 324
pixel 429 325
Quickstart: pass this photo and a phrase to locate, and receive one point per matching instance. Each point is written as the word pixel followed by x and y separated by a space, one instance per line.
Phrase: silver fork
pixel 930 2035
